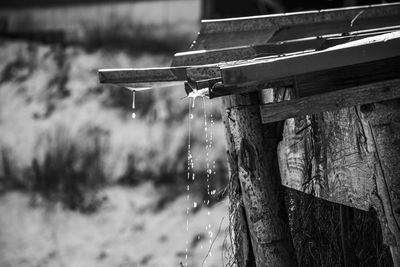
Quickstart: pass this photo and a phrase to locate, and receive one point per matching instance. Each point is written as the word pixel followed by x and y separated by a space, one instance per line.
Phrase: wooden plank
pixel 345 77
pixel 204 72
pixel 201 57
pixel 257 30
pixel 365 94
pixel 142 75
pixel 263 22
pixel 357 52
pixel 328 28
pixel 320 82
pixel 323 156
pixel 213 56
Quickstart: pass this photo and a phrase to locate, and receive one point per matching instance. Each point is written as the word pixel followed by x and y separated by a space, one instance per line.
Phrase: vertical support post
pixel 381 122
pixel 258 173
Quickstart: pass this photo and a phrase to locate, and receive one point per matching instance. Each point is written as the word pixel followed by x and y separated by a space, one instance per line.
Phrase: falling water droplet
pixel 133 115
pixel 194 204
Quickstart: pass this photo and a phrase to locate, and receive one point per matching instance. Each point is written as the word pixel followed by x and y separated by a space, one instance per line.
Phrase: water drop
pixel 133 115
pixel 194 204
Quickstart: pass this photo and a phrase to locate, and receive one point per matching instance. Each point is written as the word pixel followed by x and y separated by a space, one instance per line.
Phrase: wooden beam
pixel 355 96
pixel 142 75
pixel 361 51
pixel 336 27
pixel 257 30
pixel 320 82
pixel 213 56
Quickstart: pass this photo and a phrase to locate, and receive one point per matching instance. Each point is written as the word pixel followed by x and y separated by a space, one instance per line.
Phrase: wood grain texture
pixel 255 147
pixel 325 81
pixel 239 229
pixel 361 51
pixel 381 123
pixel 142 75
pixel 323 155
pixel 257 30
pixel 351 157
pixel 359 95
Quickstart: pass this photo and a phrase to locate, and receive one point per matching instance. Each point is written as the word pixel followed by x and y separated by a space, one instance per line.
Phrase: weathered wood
pixel 361 51
pixel 239 230
pixel 142 75
pixel 229 53
pixel 350 157
pixel 256 30
pixel 325 81
pixel 359 95
pixel 255 148
pixel 381 124
pixel 338 27
pixel 323 156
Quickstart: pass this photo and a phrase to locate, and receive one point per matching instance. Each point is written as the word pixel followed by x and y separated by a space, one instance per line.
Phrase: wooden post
pixel 381 122
pixel 255 148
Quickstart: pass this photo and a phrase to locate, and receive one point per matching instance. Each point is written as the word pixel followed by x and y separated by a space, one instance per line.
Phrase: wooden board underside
pixel 334 57
pixel 142 75
pixel 321 82
pixel 349 97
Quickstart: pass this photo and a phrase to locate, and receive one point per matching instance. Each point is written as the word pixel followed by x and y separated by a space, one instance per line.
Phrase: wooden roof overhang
pixel 332 59
pixel 317 51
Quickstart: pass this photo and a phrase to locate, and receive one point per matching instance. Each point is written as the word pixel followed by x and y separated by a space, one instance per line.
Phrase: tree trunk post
pixel 255 147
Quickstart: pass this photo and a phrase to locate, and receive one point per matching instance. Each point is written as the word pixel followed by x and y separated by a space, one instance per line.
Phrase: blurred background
pixel 81 182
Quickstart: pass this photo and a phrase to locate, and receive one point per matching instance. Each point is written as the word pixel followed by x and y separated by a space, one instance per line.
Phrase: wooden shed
pixel 310 102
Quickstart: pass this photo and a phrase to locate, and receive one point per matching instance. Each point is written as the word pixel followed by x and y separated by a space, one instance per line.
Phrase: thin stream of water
pixel 210 170
pixel 210 173
pixel 190 175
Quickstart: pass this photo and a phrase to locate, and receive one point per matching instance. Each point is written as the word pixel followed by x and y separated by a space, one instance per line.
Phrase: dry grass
pixel 51 99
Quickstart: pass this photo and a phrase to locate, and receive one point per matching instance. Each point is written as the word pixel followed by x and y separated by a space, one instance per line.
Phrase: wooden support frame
pixel 215 34
pixel 349 97
pixel 213 56
pixel 245 55
pixel 361 51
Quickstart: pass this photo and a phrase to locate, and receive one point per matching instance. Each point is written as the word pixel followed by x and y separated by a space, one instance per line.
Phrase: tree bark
pixel 256 148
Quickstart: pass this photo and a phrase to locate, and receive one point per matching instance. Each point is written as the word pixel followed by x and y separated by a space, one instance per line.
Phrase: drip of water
pixel 133 103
